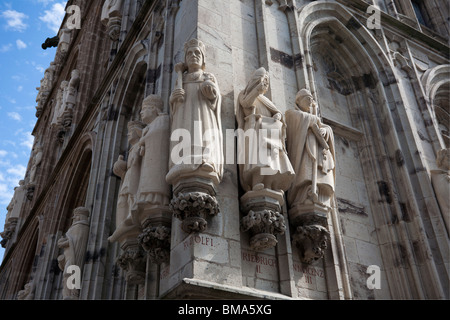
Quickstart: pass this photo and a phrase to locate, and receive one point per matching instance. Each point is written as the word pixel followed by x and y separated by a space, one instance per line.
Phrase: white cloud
pixel 40 68
pixel 15 116
pixel 54 16
pixel 6 47
pixel 19 88
pixel 28 140
pixel 16 172
pixel 20 44
pixel 15 20
pixel 3 153
pixel 45 2
pixel 9 180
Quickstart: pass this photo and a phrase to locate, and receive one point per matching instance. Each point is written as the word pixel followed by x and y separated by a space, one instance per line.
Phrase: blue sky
pixel 24 26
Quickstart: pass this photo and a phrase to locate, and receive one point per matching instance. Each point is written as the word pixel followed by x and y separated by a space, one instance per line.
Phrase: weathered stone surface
pixel 213 229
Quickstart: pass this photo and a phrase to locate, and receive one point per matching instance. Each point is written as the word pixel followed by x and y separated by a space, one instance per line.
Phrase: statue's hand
pixel 323 132
pixel 177 95
pixel 142 151
pixel 277 116
pixel 208 90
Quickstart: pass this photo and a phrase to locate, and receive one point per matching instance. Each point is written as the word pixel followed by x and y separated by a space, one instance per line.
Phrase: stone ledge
pixel 200 289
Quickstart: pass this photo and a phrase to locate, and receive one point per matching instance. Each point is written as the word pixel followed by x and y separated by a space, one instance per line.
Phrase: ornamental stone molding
pixel 133 262
pixel 112 17
pixel 193 208
pixel 156 242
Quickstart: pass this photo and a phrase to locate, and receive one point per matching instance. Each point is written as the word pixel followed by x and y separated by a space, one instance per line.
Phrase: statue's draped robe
pixel 77 235
pixel 273 170
pixel 153 187
pixel 306 155
pixel 127 193
pixel 200 117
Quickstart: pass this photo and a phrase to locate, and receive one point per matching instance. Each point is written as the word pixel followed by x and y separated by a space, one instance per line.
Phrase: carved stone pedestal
pixel 193 202
pixel 310 232
pixel 114 24
pixel 132 260
pixel 263 219
pixel 30 191
pixel 67 118
pixel 156 225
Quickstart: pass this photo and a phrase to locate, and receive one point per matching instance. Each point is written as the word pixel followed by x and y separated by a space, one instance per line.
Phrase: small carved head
pixel 194 53
pixel 151 106
pixel 259 77
pixel 80 213
pixel 312 242
pixel 134 131
pixel 304 100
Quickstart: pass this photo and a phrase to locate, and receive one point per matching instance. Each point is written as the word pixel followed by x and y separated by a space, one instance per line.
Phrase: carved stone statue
pixel 37 158
pixel 60 105
pixel 129 171
pixel 310 144
pixel 112 17
pixel 45 88
pixel 14 209
pixel 70 98
pixel 153 198
pixel 441 183
pixel 195 106
pixel 256 113
pixel 154 149
pixel 264 168
pixel 74 245
pixel 65 36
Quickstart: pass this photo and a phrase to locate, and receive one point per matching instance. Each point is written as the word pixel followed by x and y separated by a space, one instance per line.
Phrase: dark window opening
pixel 420 12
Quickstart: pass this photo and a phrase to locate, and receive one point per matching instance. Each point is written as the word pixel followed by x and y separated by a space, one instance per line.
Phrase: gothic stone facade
pixel 383 91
